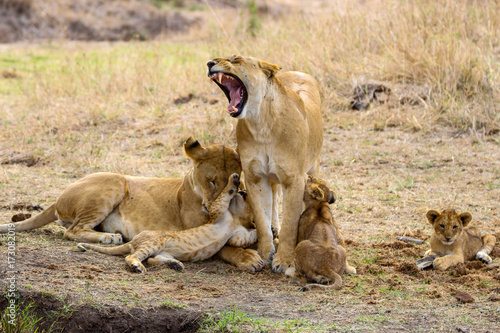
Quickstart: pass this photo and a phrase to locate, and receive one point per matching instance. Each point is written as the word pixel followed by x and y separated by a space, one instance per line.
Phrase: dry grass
pixel 85 107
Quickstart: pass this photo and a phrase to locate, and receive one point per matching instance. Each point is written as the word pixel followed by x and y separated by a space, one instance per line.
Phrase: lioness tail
pixel 111 250
pixel 37 221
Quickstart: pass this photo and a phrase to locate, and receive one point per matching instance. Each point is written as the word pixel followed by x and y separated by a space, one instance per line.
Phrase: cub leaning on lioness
pixel 320 255
pixel 230 218
pixel 108 207
pixel 279 135
pixel 452 242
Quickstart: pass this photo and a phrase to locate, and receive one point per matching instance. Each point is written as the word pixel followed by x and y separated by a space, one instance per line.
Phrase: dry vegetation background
pixel 70 106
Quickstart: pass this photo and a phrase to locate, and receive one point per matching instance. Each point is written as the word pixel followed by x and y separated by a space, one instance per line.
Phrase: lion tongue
pixel 235 95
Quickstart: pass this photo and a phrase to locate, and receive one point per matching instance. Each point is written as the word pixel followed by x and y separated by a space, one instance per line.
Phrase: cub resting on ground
pixel 279 135
pixel 452 243
pixel 103 207
pixel 230 218
pixel 320 255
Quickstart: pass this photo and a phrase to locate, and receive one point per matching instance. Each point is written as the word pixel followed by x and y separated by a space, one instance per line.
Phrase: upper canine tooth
pixel 219 77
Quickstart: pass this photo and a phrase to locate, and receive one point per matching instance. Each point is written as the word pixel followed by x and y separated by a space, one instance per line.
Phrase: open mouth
pixel 234 90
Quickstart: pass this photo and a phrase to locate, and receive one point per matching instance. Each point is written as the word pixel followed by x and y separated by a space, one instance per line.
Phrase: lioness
pixel 453 243
pixel 229 219
pixel 104 207
pixel 279 135
pixel 320 256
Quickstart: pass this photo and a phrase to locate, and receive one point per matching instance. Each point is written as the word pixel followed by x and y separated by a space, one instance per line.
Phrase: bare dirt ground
pixel 386 180
pixel 385 164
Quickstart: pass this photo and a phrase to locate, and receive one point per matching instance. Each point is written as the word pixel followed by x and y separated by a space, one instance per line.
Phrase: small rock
pixel 20 217
pixel 494 298
pixel 464 297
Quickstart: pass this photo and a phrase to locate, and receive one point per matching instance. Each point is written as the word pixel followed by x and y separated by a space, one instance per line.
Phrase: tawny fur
pixel 320 255
pixel 230 217
pixel 454 242
pixel 279 135
pixel 109 208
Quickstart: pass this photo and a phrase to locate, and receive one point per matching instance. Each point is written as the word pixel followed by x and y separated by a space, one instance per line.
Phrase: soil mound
pixel 98 20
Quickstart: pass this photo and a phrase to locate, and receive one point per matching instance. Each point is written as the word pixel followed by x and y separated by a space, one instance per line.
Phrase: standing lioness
pixel 106 207
pixel 279 135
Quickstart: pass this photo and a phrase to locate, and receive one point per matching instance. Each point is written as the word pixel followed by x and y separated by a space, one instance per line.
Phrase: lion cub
pixel 319 254
pixel 452 243
pixel 230 216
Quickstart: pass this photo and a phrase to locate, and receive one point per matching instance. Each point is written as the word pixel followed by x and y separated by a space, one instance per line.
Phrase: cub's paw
pixel 81 247
pixel 250 261
pixel 236 179
pixel 484 257
pixel 440 264
pixel 138 267
pixel 176 265
pixel 350 270
pixel 282 262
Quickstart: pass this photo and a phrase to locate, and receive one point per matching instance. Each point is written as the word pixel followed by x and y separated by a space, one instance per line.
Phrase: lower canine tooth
pixel 235 109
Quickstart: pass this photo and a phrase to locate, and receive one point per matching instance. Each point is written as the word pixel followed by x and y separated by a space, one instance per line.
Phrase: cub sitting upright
pixel 230 217
pixel 319 255
pixel 453 243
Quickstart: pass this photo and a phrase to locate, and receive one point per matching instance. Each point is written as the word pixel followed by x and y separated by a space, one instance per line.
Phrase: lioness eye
pixel 212 183
pixel 454 227
pixel 442 226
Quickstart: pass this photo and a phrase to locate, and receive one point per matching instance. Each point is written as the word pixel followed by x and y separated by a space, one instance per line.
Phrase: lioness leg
pixel 293 192
pixel 275 222
pixel 165 258
pixel 489 242
pixel 87 203
pixel 245 259
pixel 81 234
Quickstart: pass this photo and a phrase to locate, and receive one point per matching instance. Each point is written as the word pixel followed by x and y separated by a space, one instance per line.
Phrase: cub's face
pixel 241 211
pixel 242 79
pixel 212 167
pixel 317 190
pixel 448 225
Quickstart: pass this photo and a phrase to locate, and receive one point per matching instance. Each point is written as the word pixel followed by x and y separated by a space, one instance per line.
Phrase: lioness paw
pixel 265 252
pixel 484 257
pixel 251 261
pixel 281 263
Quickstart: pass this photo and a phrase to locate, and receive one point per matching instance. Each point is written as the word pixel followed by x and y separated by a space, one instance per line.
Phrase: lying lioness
pixel 230 218
pixel 452 242
pixel 106 207
pixel 320 256
pixel 279 135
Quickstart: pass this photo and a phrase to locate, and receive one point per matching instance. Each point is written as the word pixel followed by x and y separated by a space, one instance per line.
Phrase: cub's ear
pixel 316 192
pixel 432 215
pixel 269 69
pixel 465 217
pixel 193 149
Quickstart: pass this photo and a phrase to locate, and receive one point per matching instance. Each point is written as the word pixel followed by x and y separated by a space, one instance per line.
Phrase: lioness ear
pixel 268 68
pixel 432 215
pixel 193 149
pixel 465 217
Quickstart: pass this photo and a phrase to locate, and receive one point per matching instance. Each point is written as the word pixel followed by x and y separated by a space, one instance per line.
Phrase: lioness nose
pixel 211 64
